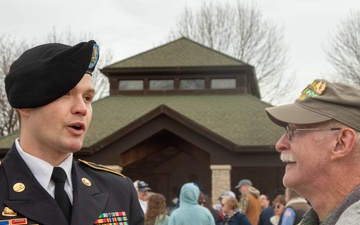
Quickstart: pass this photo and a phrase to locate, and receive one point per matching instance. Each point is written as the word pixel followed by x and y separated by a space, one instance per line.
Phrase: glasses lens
pixel 288 132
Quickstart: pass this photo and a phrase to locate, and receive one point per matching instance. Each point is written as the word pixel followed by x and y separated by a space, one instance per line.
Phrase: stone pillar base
pixel 220 181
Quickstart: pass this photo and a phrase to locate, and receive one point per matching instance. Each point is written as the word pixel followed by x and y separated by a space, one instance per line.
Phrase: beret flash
pixel 45 73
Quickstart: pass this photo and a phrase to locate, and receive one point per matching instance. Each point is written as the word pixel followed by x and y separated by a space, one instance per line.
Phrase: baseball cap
pixel 321 101
pixel 141 186
pixel 244 182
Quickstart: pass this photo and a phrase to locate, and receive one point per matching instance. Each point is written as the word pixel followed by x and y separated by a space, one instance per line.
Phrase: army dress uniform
pixel 100 196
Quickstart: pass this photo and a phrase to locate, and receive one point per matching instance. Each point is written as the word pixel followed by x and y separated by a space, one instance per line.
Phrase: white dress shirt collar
pixel 42 170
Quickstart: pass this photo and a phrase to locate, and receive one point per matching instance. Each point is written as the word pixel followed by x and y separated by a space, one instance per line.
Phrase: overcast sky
pixel 130 27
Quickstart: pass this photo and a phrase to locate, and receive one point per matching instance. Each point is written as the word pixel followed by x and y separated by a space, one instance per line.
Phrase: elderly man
pixel 321 150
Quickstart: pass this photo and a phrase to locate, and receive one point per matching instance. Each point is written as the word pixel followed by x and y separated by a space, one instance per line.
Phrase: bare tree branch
pixel 10 50
pixel 343 52
pixel 242 32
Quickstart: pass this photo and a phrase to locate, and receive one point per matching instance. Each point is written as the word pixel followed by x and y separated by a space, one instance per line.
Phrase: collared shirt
pixel 42 171
pixel 347 213
pixel 143 205
pixel 311 218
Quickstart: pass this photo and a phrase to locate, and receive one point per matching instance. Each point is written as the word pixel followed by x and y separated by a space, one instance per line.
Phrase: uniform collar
pixel 42 170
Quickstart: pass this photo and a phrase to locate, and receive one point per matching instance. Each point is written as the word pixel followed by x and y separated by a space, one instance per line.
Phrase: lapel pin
pixel 86 182
pixel 19 187
pixel 8 212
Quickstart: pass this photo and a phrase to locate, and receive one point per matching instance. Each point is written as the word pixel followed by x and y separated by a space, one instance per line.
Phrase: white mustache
pixel 286 157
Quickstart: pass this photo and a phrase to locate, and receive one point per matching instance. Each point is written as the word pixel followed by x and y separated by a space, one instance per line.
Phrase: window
pixel 161 84
pixel 229 83
pixel 131 85
pixel 192 84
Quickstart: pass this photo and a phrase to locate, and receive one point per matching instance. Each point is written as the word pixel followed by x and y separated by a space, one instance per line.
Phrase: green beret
pixel 45 73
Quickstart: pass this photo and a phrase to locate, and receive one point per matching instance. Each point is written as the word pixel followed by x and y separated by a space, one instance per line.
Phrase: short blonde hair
pixel 231 202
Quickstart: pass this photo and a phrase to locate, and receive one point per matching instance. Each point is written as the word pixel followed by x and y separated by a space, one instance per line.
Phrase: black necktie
pixel 59 177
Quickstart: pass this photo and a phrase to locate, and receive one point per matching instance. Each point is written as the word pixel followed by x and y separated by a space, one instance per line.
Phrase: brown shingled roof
pixel 179 53
pixel 240 119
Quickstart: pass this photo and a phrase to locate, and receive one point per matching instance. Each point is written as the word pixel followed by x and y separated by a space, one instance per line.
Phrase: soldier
pixel 50 86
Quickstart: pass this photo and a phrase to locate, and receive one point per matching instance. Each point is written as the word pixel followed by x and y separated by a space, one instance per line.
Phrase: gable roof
pixel 182 52
pixel 240 119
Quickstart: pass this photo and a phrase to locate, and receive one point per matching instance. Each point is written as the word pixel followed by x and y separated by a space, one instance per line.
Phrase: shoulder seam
pixel 100 167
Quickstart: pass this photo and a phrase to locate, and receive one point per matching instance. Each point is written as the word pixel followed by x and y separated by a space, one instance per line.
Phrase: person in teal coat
pixel 189 211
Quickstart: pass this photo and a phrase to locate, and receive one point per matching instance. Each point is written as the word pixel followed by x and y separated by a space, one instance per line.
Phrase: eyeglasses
pixel 291 131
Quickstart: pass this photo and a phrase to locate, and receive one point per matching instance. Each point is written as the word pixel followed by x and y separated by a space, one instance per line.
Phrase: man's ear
pixel 346 142
pixel 24 111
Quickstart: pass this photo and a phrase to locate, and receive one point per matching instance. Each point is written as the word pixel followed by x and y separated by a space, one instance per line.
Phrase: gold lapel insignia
pixel 8 212
pixel 19 187
pixel 86 182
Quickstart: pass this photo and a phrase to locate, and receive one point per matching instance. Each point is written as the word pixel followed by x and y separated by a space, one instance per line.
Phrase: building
pixel 183 112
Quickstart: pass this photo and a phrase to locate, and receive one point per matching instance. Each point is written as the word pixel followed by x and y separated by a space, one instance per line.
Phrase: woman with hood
pixel 189 211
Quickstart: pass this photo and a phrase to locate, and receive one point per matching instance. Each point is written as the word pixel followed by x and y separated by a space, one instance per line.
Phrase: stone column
pixel 220 180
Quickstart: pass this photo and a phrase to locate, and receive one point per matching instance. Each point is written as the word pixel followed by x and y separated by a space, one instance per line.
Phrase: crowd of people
pixel 249 208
